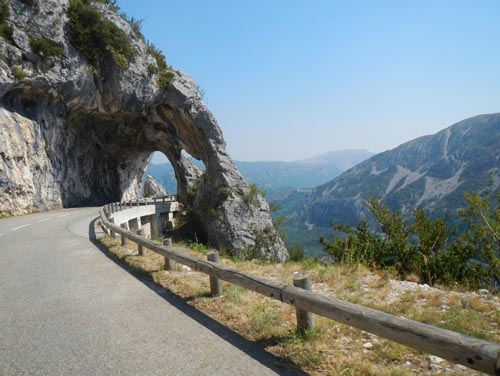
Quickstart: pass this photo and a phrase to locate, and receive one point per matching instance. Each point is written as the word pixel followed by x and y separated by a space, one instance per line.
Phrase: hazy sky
pixel 289 79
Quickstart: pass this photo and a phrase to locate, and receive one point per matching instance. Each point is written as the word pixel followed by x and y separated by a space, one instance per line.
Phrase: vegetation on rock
pixel 45 47
pixel 165 76
pixel 165 79
pixel 251 197
pixel 5 29
pixel 18 73
pixel 97 38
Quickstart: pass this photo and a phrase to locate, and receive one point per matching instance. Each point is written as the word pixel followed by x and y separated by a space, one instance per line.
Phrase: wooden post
pixel 305 320
pixel 215 283
pixel 169 263
pixel 111 231
pixel 155 229
pixel 142 251
pixel 124 238
pixel 138 203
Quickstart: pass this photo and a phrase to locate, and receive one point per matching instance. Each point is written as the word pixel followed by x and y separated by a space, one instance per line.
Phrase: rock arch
pixel 73 137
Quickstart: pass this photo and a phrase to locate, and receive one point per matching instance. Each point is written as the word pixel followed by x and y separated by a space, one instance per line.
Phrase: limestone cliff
pixel 79 129
pixel 153 189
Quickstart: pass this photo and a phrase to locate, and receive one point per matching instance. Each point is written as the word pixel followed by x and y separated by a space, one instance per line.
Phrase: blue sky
pixel 289 79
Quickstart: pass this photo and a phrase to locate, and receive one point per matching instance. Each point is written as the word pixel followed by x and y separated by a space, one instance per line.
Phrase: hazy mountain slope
pixel 270 175
pixel 164 174
pixel 432 172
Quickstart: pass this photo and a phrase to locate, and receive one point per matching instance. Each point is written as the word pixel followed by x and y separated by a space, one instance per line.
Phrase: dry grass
pixel 331 348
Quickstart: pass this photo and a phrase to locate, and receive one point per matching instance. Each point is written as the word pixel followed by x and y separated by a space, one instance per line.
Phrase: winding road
pixel 66 308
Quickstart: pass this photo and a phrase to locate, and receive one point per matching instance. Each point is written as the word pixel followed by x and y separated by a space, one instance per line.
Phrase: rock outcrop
pixel 76 132
pixel 153 189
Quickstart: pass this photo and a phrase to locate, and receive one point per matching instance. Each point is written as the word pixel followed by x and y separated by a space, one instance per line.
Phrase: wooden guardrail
pixel 472 352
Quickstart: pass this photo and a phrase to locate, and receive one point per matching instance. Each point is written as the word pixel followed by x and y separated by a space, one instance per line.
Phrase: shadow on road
pixel 281 367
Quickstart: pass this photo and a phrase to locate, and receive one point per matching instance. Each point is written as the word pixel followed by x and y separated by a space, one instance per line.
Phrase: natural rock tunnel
pixel 71 137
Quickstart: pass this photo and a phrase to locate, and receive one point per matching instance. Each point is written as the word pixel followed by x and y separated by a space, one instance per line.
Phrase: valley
pixel 432 172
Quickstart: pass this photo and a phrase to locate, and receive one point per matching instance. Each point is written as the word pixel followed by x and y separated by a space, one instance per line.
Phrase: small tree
pixel 430 245
pixel 483 233
pixel 397 233
pixel 358 245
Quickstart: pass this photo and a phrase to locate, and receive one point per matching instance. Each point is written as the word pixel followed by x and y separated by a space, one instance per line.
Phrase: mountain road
pixel 68 308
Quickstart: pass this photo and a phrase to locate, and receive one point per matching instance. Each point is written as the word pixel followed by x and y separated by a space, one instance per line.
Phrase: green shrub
pixel 18 73
pixel 151 69
pixel 164 79
pixel 158 55
pixel 97 38
pixel 224 192
pixel 45 47
pixel 215 213
pixel 165 76
pixel 251 197
pixel 428 247
pixel 6 33
pixel 4 10
pixel 296 252
pixel 5 29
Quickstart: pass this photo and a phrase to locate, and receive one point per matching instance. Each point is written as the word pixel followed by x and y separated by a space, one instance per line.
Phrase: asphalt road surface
pixel 67 308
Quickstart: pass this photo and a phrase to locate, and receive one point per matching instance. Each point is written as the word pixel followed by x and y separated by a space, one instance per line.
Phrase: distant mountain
pixel 306 173
pixel 432 172
pixel 282 176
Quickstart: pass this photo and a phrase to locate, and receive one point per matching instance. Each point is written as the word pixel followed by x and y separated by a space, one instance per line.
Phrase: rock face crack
pixel 71 136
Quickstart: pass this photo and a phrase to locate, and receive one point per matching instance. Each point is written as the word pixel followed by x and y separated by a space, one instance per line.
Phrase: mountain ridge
pixel 430 171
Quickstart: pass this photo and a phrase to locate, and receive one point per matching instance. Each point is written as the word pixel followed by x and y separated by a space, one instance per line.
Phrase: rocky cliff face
pixel 75 133
pixel 153 189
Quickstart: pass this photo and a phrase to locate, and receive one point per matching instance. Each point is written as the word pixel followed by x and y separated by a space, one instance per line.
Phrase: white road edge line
pixel 45 220
pixel 64 215
pixel 20 227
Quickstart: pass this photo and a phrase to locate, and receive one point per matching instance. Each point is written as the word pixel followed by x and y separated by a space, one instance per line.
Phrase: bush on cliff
pixel 45 47
pixel 97 38
pixel 165 76
pixel 5 29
